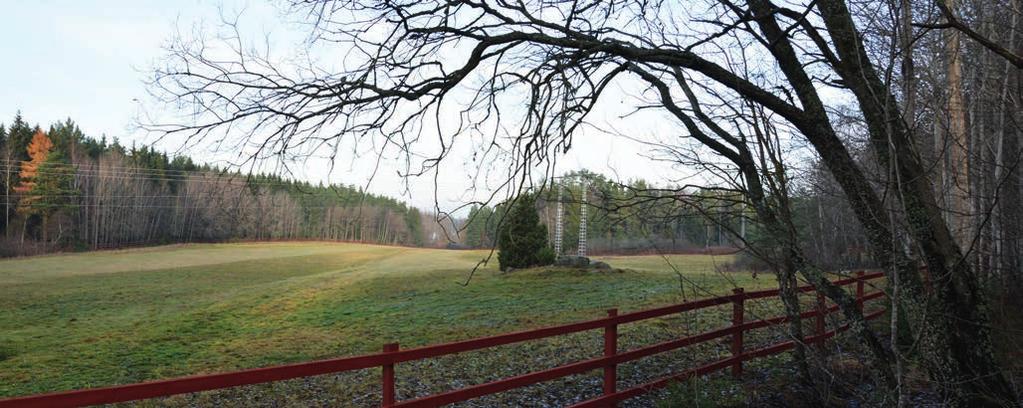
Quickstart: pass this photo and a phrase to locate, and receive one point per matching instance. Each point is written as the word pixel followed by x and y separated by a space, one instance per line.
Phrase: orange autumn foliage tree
pixel 38 150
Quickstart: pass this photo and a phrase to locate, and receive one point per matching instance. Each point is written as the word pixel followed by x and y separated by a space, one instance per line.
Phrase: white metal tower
pixel 558 231
pixel 582 223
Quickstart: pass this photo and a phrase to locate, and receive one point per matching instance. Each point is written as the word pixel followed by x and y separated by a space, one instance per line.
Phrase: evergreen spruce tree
pixel 415 227
pixel 479 232
pixel 19 135
pixel 522 242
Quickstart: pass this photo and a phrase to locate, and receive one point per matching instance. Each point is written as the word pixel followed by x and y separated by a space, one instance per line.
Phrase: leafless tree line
pixel 118 203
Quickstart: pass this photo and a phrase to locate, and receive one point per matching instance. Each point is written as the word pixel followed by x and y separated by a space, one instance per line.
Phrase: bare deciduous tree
pixel 523 76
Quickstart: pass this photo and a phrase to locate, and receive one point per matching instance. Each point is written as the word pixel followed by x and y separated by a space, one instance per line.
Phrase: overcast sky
pixel 88 60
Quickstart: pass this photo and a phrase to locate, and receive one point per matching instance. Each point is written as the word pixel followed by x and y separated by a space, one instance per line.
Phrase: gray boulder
pixel 573 261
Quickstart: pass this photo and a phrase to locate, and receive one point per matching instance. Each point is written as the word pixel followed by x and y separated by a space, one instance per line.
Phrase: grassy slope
pixel 80 320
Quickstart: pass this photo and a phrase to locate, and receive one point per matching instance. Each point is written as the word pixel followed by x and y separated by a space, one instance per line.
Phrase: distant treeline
pixel 621 218
pixel 64 190
pixel 635 217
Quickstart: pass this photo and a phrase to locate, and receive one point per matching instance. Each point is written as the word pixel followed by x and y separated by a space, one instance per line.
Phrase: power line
pixel 198 177
pixel 189 207
pixel 100 169
pixel 129 170
pixel 18 163
pixel 250 178
pixel 165 175
pixel 114 196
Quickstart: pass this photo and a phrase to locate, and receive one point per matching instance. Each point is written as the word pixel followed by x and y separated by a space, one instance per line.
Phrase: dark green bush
pixel 546 256
pixel 522 241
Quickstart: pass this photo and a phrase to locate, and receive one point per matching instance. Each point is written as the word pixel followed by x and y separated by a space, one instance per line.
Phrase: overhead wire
pixel 194 176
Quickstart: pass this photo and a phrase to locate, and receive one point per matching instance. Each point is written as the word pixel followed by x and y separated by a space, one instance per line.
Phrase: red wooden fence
pixel 608 362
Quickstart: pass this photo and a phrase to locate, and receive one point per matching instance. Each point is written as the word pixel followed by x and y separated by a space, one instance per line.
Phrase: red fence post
pixel 859 290
pixel 738 310
pixel 610 349
pixel 388 378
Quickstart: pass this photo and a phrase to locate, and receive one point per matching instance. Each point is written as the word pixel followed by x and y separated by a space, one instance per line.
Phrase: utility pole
pixel 721 219
pixel 742 220
pixel 706 235
pixel 7 188
pixel 7 204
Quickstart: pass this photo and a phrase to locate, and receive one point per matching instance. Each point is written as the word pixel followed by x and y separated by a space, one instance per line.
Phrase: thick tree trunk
pixel 1009 209
pixel 814 123
pixel 787 286
pixel 956 165
pixel 953 321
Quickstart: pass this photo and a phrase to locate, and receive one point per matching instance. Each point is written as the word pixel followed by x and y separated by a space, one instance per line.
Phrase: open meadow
pixel 101 318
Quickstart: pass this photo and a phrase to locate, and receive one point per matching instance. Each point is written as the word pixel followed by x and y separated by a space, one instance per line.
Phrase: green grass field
pixel 92 319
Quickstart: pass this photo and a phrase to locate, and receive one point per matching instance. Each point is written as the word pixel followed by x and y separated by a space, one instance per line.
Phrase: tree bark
pixel 954 320
pixel 956 167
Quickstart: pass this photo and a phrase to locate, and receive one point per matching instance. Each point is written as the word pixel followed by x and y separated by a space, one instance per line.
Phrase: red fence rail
pixel 608 362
